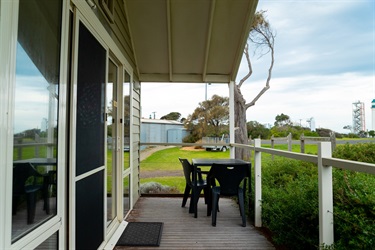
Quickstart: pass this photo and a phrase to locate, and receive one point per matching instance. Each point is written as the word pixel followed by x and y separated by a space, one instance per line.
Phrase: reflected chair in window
pixel 26 183
pixel 229 179
pixel 190 185
pixel 51 183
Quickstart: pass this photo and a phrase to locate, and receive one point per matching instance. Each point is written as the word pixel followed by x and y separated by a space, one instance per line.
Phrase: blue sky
pixel 324 62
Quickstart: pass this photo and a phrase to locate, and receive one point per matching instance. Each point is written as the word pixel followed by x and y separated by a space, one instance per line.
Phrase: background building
pixel 155 130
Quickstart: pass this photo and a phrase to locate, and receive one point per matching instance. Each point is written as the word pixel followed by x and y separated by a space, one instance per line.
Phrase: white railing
pixel 324 161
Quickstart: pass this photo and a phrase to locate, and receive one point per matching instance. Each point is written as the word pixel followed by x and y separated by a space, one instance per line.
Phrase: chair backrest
pixel 229 177
pixel 21 173
pixel 188 169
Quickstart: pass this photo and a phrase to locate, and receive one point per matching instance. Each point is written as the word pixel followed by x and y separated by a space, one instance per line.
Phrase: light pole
pixel 208 83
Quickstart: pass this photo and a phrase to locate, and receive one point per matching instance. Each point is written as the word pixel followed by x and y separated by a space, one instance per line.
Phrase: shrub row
pixel 291 209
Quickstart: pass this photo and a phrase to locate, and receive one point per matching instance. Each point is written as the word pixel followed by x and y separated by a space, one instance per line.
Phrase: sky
pixel 324 62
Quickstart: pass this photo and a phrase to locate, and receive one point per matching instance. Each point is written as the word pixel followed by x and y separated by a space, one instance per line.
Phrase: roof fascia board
pixel 245 34
pixel 208 40
pixel 184 78
pixel 131 35
pixel 169 30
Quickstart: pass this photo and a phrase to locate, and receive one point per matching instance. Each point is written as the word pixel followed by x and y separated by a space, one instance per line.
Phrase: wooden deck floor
pixel 182 231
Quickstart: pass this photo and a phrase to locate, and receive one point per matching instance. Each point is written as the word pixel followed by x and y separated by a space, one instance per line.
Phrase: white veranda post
pixel 231 118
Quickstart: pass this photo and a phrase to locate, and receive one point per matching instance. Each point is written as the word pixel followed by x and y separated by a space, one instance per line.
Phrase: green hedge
pixel 291 208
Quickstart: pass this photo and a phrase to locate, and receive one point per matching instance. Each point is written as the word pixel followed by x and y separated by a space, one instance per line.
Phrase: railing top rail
pixel 311 138
pixel 181 144
pixel 350 165
pixel 334 162
pixel 34 144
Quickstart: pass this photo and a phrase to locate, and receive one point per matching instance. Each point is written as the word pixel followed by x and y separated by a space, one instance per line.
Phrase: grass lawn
pixel 167 160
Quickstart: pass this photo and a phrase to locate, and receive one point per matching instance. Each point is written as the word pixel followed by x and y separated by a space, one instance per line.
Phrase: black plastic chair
pixel 201 184
pixel 27 182
pixel 229 178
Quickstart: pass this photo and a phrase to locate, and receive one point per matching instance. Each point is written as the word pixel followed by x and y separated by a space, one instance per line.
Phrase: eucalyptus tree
pixel 209 118
pixel 174 116
pixel 262 39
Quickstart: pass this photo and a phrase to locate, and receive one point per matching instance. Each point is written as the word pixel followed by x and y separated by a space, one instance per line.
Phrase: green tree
pixel 174 116
pixel 210 118
pixel 282 120
pixel 256 130
pixel 371 133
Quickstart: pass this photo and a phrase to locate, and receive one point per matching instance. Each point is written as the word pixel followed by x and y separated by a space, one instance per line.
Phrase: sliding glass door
pixel 112 139
pixel 34 189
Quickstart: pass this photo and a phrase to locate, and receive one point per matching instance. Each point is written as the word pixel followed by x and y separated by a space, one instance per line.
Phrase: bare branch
pixel 252 103
pixel 262 36
pixel 248 64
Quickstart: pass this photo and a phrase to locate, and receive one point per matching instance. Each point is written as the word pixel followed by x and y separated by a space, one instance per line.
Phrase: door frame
pixel 82 12
pixel 8 45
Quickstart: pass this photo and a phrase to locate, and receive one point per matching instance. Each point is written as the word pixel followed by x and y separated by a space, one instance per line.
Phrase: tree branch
pixel 249 65
pixel 268 39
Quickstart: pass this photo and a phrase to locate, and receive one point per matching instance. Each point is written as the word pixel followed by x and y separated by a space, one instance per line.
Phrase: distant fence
pixel 331 138
pixel 303 140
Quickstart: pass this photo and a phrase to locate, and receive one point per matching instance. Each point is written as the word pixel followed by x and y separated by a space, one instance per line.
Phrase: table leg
pixel 195 195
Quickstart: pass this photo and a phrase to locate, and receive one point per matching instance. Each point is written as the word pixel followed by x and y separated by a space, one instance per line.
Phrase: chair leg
pixel 186 195
pixel 31 206
pixel 15 205
pixel 215 202
pixel 242 207
pixel 194 200
pixel 45 194
pixel 206 192
pixel 209 202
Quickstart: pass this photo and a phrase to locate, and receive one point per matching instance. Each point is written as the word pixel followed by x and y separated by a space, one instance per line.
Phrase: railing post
pixel 289 140
pixel 258 184
pixel 325 196
pixel 332 138
pixel 272 144
pixel 302 139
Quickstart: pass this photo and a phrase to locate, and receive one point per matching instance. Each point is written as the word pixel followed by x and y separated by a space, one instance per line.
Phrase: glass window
pixel 50 243
pixel 126 93
pixel 35 116
pixel 111 106
pixel 126 194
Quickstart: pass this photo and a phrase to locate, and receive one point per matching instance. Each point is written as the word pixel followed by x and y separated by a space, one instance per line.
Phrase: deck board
pixel 182 231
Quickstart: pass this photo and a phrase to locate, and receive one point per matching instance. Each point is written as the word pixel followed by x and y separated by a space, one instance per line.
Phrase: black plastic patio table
pixel 207 162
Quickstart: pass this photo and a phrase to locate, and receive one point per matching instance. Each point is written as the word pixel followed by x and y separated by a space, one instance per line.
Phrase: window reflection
pixel 35 116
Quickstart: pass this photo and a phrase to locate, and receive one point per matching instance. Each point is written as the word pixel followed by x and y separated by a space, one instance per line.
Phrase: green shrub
pixel 291 208
pixel 354 199
pixel 290 203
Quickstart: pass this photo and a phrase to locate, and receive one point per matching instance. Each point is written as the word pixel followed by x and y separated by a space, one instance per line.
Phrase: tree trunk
pixel 240 125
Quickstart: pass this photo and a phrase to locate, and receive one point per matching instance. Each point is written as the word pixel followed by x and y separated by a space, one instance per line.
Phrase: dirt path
pixel 150 150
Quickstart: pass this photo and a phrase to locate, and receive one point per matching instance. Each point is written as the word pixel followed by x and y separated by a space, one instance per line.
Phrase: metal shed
pixel 155 130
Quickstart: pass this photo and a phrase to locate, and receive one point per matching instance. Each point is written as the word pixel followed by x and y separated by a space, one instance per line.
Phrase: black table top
pixel 210 161
pixel 38 161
